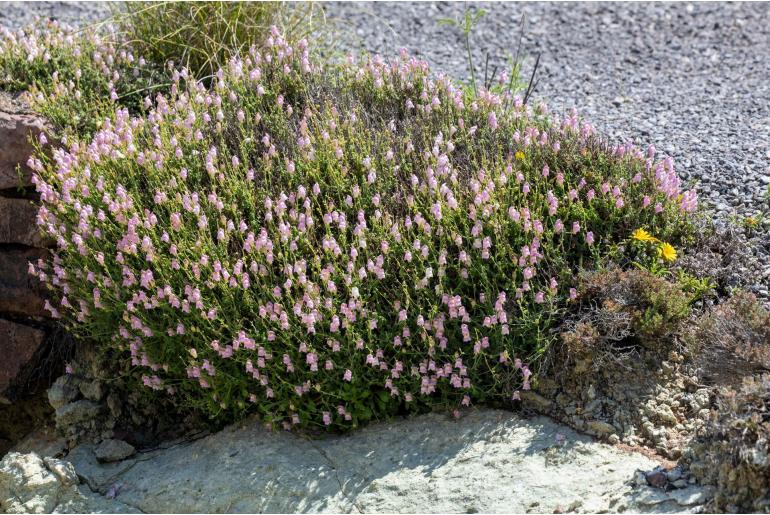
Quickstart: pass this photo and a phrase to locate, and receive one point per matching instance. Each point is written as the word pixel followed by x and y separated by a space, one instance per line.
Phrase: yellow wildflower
pixel 642 235
pixel 520 155
pixel 667 252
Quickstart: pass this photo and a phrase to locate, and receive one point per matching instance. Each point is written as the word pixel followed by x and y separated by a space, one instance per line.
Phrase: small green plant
pixel 752 223
pixel 466 24
pixel 667 305
pixel 698 288
pixel 510 82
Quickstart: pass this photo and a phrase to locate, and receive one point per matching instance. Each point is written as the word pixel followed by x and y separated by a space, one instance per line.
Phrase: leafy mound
pixel 329 244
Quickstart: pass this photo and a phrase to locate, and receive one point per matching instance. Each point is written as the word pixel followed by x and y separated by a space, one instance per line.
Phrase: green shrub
pixel 626 308
pixel 327 245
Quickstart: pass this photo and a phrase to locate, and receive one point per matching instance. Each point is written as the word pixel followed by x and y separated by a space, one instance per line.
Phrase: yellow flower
pixel 520 155
pixel 642 235
pixel 667 252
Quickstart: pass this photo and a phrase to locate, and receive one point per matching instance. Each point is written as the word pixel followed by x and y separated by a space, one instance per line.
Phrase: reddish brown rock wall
pixel 24 323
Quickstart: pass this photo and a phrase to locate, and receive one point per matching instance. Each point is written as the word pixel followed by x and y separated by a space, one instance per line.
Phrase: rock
pixel 674 474
pixel 26 485
pixel 600 428
pixel 665 414
pixel 538 400
pixel 18 223
pixel 63 391
pixel 115 405
pixel 656 478
pixel 15 130
pixel 20 293
pixel 691 496
pixel 18 344
pixel 396 467
pixel 92 390
pixel 63 470
pixel 99 476
pixel 29 484
pixel 76 413
pixel 113 450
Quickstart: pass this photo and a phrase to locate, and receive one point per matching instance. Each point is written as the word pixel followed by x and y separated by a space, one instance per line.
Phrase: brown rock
pixel 535 400
pixel 20 293
pixel 656 478
pixel 18 223
pixel 18 344
pixel 15 148
pixel 600 428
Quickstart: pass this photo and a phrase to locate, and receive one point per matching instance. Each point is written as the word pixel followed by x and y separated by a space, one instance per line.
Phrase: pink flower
pixel 176 221
pixel 146 279
pixel 492 120
pixel 348 376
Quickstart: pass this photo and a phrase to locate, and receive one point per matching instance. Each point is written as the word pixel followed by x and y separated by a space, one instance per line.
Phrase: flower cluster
pixel 328 244
pixel 664 250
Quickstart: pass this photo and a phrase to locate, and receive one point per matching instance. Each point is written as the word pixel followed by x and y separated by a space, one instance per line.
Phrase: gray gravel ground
pixel 18 14
pixel 691 78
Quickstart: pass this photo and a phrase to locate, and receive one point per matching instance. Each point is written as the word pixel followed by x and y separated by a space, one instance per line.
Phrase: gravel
pixel 690 78
pixel 17 14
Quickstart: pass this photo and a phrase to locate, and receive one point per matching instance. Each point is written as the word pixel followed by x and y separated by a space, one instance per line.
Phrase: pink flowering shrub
pixel 326 244
pixel 74 76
